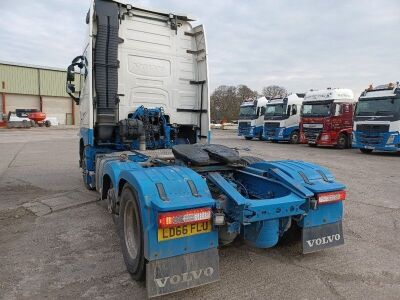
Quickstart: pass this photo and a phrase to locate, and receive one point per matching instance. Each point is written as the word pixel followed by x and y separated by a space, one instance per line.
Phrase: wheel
pixel 131 234
pixel 312 145
pixel 295 137
pixel 47 123
pixel 248 138
pixel 366 151
pixel 342 141
pixel 113 204
pixel 248 160
pixel 291 236
pixel 26 124
pixel 87 186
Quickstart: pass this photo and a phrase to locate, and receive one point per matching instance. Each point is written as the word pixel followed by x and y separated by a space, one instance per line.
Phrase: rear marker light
pixel 331 197
pixel 182 217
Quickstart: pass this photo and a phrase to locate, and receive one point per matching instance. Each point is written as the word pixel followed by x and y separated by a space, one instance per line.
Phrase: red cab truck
pixel 327 118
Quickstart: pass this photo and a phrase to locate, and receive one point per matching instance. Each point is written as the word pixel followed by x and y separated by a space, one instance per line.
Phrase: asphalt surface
pixel 58 242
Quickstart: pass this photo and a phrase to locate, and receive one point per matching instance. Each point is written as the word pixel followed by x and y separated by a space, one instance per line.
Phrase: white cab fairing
pixel 158 67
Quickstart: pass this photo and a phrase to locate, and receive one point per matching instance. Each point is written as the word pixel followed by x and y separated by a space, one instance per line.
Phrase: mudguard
pixel 300 174
pixel 162 189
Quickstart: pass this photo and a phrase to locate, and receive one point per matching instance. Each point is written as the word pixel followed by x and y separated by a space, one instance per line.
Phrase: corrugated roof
pixel 9 63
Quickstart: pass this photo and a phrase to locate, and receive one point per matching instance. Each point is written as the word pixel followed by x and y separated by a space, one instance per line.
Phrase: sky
pixel 298 44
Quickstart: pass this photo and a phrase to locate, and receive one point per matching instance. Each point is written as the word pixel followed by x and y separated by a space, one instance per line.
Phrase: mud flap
pixel 182 272
pixel 322 237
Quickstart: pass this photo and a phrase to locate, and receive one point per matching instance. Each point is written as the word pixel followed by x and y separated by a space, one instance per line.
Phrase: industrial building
pixel 25 86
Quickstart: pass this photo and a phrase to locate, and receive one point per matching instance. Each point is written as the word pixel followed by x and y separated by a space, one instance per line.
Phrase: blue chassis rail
pixel 259 221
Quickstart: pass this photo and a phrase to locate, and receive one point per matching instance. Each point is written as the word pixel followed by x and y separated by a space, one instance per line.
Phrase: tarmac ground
pixel 57 241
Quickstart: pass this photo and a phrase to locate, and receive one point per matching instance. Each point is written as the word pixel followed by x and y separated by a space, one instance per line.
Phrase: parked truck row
pixel 330 117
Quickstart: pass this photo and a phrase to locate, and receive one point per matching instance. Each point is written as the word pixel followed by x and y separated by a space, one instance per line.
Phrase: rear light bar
pixel 331 197
pixel 182 217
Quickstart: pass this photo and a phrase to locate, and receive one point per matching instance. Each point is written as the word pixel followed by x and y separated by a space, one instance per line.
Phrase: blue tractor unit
pixel 251 118
pixel 377 119
pixel 282 119
pixel 144 147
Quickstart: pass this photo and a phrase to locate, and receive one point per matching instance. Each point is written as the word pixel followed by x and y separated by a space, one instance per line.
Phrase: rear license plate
pixel 170 233
pixel 322 237
pixel 369 147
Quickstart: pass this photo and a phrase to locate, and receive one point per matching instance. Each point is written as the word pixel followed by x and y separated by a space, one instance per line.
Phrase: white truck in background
pixel 251 118
pixel 282 119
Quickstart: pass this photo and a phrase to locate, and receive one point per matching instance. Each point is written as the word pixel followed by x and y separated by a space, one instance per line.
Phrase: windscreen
pixel 248 111
pixel 386 107
pixel 319 109
pixel 275 110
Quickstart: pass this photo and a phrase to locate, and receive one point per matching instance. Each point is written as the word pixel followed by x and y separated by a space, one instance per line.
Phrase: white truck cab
pixel 141 64
pixel 282 119
pixel 377 119
pixel 251 118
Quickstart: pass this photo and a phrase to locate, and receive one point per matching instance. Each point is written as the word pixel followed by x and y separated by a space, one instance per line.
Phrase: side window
pixel 263 110
pixel 294 109
pixel 338 109
pixel 288 110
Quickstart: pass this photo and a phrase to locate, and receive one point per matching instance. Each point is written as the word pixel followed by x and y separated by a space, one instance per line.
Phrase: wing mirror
pixel 80 62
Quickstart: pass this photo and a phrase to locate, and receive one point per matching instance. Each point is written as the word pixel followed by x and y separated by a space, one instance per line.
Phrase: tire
pixel 249 138
pixel 291 236
pixel 26 124
pixel 47 123
pixel 313 145
pixel 366 151
pixel 342 142
pixel 131 234
pixel 113 204
pixel 248 160
pixel 87 186
pixel 295 137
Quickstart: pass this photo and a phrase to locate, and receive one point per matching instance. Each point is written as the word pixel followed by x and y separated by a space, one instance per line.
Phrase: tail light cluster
pixel 331 197
pixel 182 217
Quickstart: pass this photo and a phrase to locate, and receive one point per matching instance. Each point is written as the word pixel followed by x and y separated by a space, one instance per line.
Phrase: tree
pixel 223 99
pixel 274 91
pixel 243 92
pixel 226 100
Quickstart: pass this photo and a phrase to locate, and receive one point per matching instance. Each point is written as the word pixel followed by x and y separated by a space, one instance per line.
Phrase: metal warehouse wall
pixel 26 86
pixel 25 80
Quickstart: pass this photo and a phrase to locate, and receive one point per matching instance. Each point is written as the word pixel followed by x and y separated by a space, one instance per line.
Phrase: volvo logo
pixel 184 277
pixel 323 240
